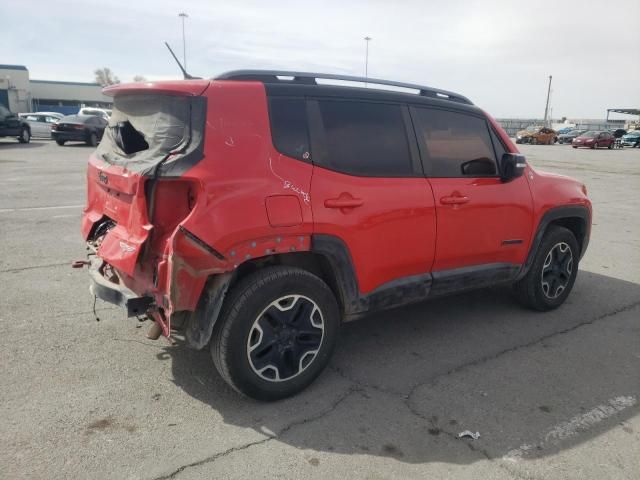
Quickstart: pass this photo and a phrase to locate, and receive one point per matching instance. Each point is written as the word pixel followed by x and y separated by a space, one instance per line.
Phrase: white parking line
pixel 24 209
pixel 575 425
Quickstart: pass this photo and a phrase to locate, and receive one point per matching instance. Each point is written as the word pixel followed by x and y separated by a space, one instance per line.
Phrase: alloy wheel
pixel 285 338
pixel 556 270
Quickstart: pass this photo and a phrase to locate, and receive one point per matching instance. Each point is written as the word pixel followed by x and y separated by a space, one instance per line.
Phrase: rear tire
pixel 25 135
pixel 61 142
pixel 553 272
pixel 610 146
pixel 92 141
pixel 276 332
pixel 574 146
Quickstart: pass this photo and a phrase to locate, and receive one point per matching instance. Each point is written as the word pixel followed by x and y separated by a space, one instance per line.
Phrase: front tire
pixel 60 142
pixel 276 332
pixel 25 135
pixel 553 272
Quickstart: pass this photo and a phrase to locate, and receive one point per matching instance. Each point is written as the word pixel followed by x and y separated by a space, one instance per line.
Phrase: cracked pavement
pixel 553 395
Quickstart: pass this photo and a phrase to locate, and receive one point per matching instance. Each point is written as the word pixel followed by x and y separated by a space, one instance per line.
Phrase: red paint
pixel 471 233
pixel 246 201
pixel 283 210
pixel 391 234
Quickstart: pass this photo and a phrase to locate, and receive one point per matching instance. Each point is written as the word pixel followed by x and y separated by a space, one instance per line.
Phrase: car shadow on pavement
pixel 404 383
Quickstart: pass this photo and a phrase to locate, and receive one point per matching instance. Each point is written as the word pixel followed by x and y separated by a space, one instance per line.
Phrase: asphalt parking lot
pixel 553 395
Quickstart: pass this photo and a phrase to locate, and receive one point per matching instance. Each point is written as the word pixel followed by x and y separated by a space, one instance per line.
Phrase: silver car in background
pixel 40 122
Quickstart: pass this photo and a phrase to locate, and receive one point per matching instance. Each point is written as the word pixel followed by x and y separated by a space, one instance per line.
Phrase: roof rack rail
pixel 306 78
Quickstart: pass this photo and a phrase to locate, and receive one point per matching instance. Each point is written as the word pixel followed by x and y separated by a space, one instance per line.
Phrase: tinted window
pixel 289 127
pixel 366 139
pixel 498 146
pixel 4 112
pixel 455 144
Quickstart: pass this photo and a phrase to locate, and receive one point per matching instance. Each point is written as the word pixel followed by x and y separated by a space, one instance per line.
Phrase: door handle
pixel 454 200
pixel 343 202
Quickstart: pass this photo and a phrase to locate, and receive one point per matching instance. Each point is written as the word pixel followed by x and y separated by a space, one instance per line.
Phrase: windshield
pixel 590 134
pixel 532 129
pixel 144 128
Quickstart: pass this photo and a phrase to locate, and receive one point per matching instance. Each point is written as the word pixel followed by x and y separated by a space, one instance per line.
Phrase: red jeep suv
pixel 257 211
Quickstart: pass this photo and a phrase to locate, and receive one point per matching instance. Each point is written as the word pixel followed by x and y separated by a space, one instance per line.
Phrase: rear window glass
pixel 144 128
pixel 365 139
pixel 289 127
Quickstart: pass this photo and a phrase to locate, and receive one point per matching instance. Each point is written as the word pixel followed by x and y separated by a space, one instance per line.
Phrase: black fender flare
pixel 550 216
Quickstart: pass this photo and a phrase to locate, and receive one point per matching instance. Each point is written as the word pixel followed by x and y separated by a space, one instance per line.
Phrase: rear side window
pixel 365 139
pixel 455 144
pixel 289 127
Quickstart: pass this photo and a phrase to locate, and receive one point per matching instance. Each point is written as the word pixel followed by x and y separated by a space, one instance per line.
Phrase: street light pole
pixel 546 108
pixel 366 59
pixel 183 15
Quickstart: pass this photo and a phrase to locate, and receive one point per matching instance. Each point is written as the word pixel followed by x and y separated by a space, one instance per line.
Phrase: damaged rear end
pixel 139 194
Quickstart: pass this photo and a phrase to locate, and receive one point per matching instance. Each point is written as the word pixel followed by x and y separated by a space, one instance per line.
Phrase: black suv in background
pixel 13 126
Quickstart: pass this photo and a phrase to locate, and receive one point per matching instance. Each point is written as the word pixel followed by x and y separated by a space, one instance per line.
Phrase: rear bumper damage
pixel 120 295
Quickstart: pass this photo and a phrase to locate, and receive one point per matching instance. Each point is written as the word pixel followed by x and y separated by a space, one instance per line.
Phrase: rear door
pixel 482 221
pixel 368 188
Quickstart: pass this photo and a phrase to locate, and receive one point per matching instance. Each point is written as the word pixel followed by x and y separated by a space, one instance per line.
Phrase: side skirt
pixel 407 290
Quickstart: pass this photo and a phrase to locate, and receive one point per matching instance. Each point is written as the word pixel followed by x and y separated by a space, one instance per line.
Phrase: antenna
pixel 184 72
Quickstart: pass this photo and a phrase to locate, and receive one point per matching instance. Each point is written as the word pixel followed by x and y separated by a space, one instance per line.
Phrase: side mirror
pixel 512 166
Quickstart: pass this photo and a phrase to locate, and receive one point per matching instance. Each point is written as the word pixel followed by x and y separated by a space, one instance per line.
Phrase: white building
pixel 21 94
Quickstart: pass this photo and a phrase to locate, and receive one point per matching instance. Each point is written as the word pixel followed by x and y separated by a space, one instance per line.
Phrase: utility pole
pixel 366 59
pixel 546 108
pixel 183 15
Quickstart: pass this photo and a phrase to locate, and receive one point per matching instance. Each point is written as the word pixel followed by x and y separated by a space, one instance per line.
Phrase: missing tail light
pixel 174 200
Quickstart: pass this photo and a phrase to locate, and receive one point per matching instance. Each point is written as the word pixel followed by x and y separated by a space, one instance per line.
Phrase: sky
pixel 497 53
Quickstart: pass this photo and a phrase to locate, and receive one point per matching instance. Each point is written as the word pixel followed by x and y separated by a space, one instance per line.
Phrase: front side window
pixel 365 139
pixel 454 144
pixel 289 127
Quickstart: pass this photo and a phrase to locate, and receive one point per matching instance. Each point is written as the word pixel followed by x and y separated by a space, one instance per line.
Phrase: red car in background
pixel 594 139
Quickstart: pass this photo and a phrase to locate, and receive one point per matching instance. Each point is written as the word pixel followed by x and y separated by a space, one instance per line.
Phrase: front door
pixel 368 189
pixel 482 222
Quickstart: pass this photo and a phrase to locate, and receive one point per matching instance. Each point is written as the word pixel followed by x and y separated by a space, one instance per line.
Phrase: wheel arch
pixel 576 218
pixel 200 323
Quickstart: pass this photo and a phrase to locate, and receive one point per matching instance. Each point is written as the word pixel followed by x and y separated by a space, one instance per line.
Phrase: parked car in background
pixel 565 130
pixel 594 139
pixel 11 125
pixel 619 133
pixel 79 128
pixel 40 122
pixel 100 112
pixel 537 136
pixel 569 136
pixel 631 139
